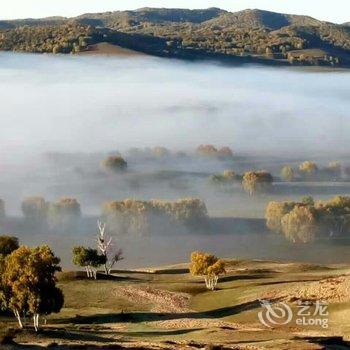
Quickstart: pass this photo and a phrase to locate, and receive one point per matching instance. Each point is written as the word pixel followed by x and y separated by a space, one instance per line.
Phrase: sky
pixel 337 11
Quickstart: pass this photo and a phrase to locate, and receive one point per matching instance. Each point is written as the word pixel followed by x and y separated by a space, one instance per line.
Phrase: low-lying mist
pixel 90 104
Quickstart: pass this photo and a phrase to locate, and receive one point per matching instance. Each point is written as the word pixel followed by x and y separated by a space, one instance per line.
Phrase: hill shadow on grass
pixel 271 283
pixel 67 276
pixel 136 317
pixel 73 335
pixel 336 343
pixel 243 277
pixel 89 334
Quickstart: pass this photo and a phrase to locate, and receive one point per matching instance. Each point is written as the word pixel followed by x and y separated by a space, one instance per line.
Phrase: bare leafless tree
pixel 106 247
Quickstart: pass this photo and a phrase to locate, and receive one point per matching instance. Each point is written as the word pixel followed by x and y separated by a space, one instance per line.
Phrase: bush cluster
pixel 228 177
pixel 59 214
pixel 114 164
pixel 224 153
pixel 304 221
pixel 257 182
pixel 135 216
pixel 310 171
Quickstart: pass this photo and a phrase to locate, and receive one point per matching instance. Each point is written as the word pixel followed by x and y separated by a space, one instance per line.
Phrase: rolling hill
pixel 245 36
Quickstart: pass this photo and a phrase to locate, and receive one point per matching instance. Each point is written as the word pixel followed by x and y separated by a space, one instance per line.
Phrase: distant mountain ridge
pixel 217 16
pixel 246 36
pixel 260 18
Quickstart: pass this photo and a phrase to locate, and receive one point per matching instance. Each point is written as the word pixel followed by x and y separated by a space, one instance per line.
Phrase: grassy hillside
pixel 245 36
pixel 167 308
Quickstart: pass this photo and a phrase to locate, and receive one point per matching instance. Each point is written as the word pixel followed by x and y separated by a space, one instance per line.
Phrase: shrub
pixel 223 153
pixel 275 211
pixel 334 216
pixel 308 169
pixel 332 171
pixel 257 182
pixel 114 164
pixel 8 244
pixel 228 177
pixel 339 202
pixel 307 200
pixel 287 173
pixel 207 150
pixel 35 208
pixel 299 225
pixel 64 212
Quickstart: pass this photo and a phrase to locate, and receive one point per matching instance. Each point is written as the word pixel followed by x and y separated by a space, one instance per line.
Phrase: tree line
pixel 135 216
pixel 126 216
pixel 252 182
pixel 39 213
pixel 261 181
pixel 310 171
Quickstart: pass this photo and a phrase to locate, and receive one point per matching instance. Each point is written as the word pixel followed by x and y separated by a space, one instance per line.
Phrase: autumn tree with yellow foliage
pixel 275 211
pixel 308 169
pixel 8 244
pixel 300 225
pixel 64 213
pixel 35 209
pixel 255 182
pixel 288 173
pixel 28 284
pixel 135 216
pixel 304 221
pixel 207 266
pixel 114 164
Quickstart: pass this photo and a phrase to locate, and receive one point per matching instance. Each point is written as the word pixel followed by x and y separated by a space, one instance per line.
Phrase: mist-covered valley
pixel 61 116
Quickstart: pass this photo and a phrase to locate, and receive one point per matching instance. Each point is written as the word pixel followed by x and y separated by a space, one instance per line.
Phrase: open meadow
pixel 167 308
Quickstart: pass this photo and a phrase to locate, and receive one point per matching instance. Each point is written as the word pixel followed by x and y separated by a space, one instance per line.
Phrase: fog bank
pixel 89 104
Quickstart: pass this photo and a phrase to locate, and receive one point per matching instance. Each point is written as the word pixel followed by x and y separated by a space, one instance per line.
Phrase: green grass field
pixel 167 308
